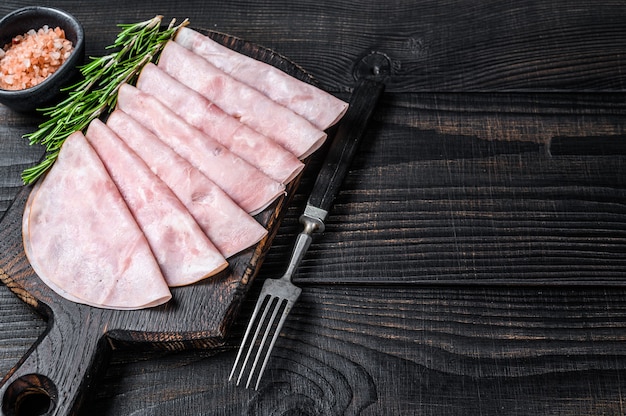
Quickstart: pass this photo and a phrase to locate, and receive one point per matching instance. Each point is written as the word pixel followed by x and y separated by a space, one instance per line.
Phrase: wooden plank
pixel 15 153
pixel 20 326
pixel 427 204
pixel 451 45
pixel 433 351
pixel 464 188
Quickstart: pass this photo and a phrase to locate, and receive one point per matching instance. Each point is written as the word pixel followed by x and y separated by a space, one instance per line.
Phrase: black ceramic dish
pixel 44 94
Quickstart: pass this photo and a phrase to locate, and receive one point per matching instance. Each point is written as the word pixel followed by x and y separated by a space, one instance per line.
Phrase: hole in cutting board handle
pixel 29 395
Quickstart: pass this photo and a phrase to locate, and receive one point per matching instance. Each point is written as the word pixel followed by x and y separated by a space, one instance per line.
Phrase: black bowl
pixel 45 93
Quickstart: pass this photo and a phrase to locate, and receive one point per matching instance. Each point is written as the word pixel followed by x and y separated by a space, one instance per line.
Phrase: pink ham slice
pixel 257 149
pixel 81 239
pixel 183 252
pixel 251 189
pixel 320 108
pixel 241 101
pixel 228 226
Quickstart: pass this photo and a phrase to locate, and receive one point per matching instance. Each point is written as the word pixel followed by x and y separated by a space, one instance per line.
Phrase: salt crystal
pixel 31 57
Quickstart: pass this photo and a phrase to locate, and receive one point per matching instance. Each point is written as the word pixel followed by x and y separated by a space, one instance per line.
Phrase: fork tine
pixel 242 347
pixel 269 303
pixel 283 317
pixel 253 341
pixel 275 307
pixel 255 324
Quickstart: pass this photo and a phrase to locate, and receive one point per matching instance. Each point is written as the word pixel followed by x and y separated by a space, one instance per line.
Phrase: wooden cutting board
pixel 63 364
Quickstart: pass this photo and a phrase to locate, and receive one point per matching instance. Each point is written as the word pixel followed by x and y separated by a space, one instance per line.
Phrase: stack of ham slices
pixel 164 192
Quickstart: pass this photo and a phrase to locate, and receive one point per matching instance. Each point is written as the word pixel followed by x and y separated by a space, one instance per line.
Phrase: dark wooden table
pixel 474 262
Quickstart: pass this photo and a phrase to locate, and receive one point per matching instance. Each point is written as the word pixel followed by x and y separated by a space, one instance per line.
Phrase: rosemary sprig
pixel 96 93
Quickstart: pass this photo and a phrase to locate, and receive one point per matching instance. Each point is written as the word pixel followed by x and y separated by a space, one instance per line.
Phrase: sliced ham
pixel 228 226
pixel 250 188
pixel 183 252
pixel 82 240
pixel 250 106
pixel 257 149
pixel 319 107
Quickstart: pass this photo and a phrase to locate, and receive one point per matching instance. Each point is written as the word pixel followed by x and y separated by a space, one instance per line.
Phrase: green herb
pixel 96 94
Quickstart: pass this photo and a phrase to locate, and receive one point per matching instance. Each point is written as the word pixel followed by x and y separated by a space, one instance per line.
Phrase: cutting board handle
pixel 54 375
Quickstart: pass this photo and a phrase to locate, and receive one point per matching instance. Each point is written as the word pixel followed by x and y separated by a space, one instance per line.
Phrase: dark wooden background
pixel 474 260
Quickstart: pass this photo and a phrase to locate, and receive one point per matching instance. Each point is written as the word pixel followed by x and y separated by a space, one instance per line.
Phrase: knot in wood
pixel 375 65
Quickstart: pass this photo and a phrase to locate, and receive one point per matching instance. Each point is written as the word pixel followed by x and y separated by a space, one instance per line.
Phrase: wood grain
pixel 454 207
pixel 473 262
pixel 452 45
pixel 453 351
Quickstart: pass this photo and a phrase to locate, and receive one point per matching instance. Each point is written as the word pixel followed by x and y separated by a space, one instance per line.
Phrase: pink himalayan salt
pixel 32 57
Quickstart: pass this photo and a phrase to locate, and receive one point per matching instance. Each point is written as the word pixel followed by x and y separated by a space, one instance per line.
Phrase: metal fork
pixel 279 295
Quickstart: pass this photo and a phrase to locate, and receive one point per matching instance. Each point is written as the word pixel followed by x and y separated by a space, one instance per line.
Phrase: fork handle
pixel 303 241
pixel 342 150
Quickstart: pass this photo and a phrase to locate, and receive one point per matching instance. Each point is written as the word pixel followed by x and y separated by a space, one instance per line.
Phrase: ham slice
pixel 241 101
pixel 183 252
pixel 228 226
pixel 247 186
pixel 82 240
pixel 319 107
pixel 257 149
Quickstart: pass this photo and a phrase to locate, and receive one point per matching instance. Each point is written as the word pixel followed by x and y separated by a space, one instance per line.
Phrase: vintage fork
pixel 278 296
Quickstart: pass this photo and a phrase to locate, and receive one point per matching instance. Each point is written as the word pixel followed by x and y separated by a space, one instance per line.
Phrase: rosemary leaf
pixel 96 93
